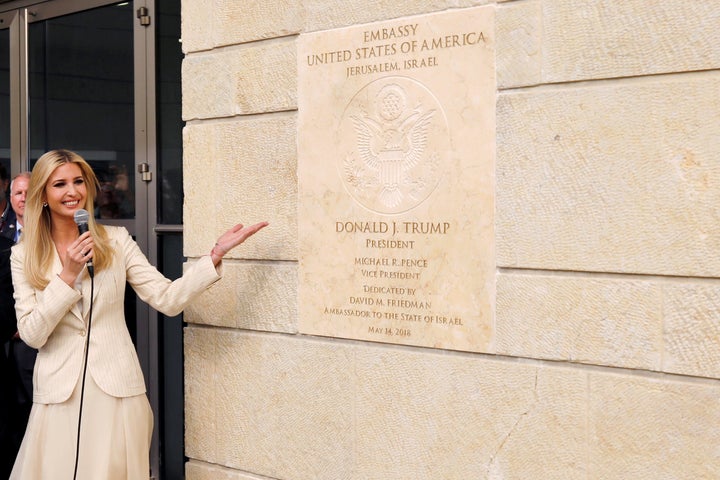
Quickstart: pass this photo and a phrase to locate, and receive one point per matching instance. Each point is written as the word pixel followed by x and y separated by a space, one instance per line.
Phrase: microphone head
pixel 82 217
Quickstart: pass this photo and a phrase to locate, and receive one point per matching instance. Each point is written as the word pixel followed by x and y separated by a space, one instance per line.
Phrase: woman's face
pixel 66 191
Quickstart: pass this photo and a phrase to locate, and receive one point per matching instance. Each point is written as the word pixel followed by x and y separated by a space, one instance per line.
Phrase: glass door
pixel 81 97
pixel 6 21
pixel 103 78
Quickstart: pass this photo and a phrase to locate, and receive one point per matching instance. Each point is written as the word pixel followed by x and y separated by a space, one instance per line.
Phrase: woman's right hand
pixel 76 257
pixel 232 238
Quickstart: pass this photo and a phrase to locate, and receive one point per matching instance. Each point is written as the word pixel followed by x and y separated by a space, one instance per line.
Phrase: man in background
pixel 18 193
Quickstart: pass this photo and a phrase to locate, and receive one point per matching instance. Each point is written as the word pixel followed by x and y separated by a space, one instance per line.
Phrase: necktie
pixel 17 234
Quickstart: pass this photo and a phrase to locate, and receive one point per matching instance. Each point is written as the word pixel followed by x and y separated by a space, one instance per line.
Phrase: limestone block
pixel 279 406
pixel 427 415
pixel 254 178
pixel 267 79
pixel 589 39
pixel 614 177
pixel 196 20
pixel 201 375
pixel 692 329
pixel 204 471
pixel 323 14
pixel 239 22
pixel 240 81
pixel 519 44
pixel 217 23
pixel 250 296
pixel 580 319
pixel 199 187
pixel 648 428
pixel 208 84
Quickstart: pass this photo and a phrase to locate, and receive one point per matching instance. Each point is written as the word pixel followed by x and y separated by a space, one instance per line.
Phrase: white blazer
pixel 51 320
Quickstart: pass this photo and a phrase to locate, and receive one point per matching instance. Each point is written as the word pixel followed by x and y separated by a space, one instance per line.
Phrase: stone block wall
pixel 606 363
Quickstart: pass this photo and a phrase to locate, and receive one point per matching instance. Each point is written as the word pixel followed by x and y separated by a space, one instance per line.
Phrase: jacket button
pixel 82 333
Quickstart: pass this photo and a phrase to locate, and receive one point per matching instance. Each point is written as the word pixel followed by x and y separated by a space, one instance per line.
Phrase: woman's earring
pixel 44 204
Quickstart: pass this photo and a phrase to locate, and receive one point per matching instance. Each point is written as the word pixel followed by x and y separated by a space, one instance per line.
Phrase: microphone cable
pixel 84 372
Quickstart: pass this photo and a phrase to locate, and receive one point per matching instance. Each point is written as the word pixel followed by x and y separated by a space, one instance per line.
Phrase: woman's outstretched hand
pixel 232 238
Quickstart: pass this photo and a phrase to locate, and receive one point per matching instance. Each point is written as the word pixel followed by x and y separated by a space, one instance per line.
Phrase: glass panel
pixel 169 112
pixel 82 94
pixel 81 89
pixel 5 98
pixel 170 331
pixel 168 59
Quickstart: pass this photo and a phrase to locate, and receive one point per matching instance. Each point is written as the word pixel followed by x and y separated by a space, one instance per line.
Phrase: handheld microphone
pixel 82 217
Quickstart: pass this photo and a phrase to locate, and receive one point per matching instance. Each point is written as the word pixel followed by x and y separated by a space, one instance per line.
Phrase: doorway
pixel 103 79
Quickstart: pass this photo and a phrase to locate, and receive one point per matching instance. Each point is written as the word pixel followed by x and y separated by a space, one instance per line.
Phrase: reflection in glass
pixel 5 99
pixel 169 112
pixel 82 97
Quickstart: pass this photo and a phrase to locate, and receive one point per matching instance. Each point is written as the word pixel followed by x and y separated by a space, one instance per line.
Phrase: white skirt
pixel 114 438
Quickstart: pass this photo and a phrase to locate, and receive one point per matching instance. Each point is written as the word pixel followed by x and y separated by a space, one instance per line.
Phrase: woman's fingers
pixel 82 249
pixel 238 234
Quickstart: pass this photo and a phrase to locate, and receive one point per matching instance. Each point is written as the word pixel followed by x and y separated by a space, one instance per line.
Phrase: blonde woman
pixel 53 304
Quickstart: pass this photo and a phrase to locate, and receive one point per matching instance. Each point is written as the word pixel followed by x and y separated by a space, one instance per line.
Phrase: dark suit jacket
pixel 8 327
pixel 8 324
pixel 9 224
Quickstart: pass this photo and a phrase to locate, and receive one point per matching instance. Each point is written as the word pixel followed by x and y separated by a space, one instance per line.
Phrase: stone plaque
pixel 396 189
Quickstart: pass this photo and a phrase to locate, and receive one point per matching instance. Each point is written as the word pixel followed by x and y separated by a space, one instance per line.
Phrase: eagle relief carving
pixel 393 160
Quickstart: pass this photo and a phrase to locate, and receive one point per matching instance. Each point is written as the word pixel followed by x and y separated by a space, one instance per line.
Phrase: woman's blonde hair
pixel 37 231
